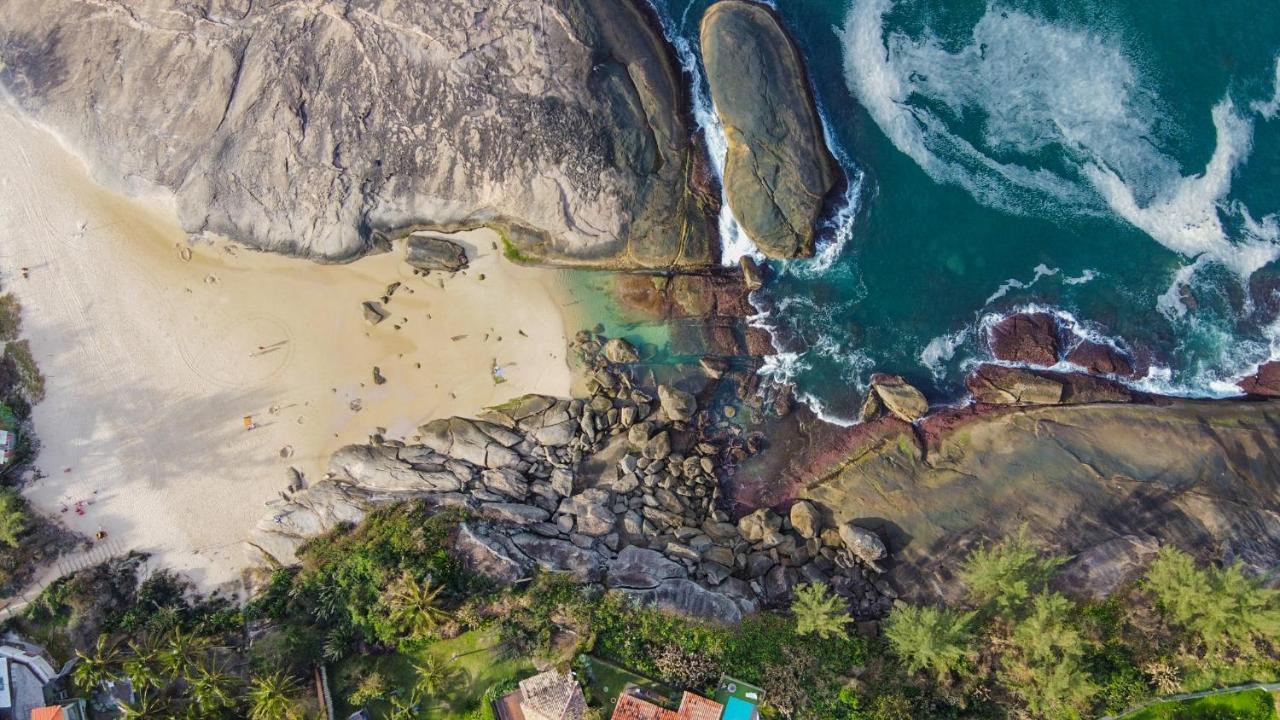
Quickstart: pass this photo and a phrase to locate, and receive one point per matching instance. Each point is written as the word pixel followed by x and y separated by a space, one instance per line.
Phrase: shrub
pixel 1223 608
pixel 820 613
pixel 1044 665
pixel 19 375
pixel 13 517
pixel 1005 575
pixel 10 317
pixel 926 638
pixel 683 668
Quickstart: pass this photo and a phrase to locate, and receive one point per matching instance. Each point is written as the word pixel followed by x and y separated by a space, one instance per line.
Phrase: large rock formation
pixel 622 488
pixel 778 171
pixel 1101 481
pixel 308 128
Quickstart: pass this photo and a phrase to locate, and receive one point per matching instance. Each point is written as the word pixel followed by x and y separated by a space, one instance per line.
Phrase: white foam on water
pixel 941 350
pixel 1046 87
pixel 783 367
pixel 819 409
pixel 1088 275
pixel 1268 109
pixel 1040 270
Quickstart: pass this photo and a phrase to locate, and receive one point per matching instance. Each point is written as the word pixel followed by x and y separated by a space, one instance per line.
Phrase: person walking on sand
pixel 26 273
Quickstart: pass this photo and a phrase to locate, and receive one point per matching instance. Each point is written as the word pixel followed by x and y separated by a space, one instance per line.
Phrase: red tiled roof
pixel 696 707
pixel 630 707
pixel 48 713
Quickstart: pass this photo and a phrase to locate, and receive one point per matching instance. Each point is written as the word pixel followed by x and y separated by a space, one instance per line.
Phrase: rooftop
pixel 692 707
pixel 552 695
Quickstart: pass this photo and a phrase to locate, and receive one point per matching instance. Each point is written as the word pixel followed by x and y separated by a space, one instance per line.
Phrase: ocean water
pixel 1114 161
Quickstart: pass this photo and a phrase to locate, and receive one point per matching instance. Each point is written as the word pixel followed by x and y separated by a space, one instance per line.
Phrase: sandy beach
pixel 156 348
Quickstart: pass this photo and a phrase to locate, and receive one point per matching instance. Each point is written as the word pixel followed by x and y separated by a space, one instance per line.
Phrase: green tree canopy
pixel 1221 606
pixel 819 612
pixel 1005 575
pixel 13 517
pixel 1045 664
pixel 928 638
pixel 271 697
pixel 101 664
pixel 413 606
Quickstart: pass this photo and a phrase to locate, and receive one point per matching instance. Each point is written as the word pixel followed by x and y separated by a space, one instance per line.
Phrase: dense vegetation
pixel 1020 645
pixel 27 540
pixel 406 632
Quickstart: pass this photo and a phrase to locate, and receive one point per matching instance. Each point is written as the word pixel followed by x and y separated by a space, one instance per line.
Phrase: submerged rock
pixel 778 170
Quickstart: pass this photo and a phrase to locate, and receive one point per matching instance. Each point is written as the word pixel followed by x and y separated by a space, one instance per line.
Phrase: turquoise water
pixel 737 709
pixel 1115 161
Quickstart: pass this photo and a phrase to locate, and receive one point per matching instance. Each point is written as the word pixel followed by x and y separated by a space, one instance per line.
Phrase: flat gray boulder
pixel 487 556
pixel 426 252
pixel 642 568
pixel 687 597
pixel 560 556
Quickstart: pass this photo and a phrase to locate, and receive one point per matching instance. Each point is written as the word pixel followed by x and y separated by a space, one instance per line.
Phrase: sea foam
pixel 1044 87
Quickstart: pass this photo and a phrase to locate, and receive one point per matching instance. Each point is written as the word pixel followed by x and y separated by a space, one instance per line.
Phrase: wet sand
pixel 155 349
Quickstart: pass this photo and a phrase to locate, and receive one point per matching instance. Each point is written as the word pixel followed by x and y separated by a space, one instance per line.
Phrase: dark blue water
pixel 1114 161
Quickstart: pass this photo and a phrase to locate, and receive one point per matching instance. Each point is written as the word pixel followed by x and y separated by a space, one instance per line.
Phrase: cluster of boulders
pixel 621 488
pixel 1025 342
pixel 424 253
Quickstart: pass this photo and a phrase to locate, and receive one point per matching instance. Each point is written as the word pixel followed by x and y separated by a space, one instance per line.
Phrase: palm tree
pixel 99 665
pixel 926 638
pixel 402 708
pixel 182 652
pixel 13 517
pixel 144 667
pixel 271 697
pixel 211 688
pixel 413 605
pixel 148 705
pixel 432 675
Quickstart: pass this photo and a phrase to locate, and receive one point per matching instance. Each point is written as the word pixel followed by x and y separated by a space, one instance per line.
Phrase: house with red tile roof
pixel 692 707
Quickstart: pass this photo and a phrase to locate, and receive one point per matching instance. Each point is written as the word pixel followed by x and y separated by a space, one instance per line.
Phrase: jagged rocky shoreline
pixel 621 488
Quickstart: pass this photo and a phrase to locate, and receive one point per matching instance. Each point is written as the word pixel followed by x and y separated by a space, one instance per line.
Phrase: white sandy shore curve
pixel 153 356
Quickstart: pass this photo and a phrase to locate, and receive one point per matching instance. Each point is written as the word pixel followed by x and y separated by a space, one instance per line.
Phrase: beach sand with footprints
pixel 156 349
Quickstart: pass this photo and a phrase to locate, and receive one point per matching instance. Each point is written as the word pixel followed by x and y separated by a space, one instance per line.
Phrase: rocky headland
pixel 778 171
pixel 307 128
pixel 329 130
pixel 621 488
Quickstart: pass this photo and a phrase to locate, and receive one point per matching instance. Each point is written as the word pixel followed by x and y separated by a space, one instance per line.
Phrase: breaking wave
pixel 1040 86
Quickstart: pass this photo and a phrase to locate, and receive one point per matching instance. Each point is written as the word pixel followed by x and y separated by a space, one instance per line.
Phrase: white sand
pixel 152 359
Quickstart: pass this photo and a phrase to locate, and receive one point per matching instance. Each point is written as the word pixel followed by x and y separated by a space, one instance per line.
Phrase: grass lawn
pixel 1245 705
pixel 482 663
pixel 605 681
